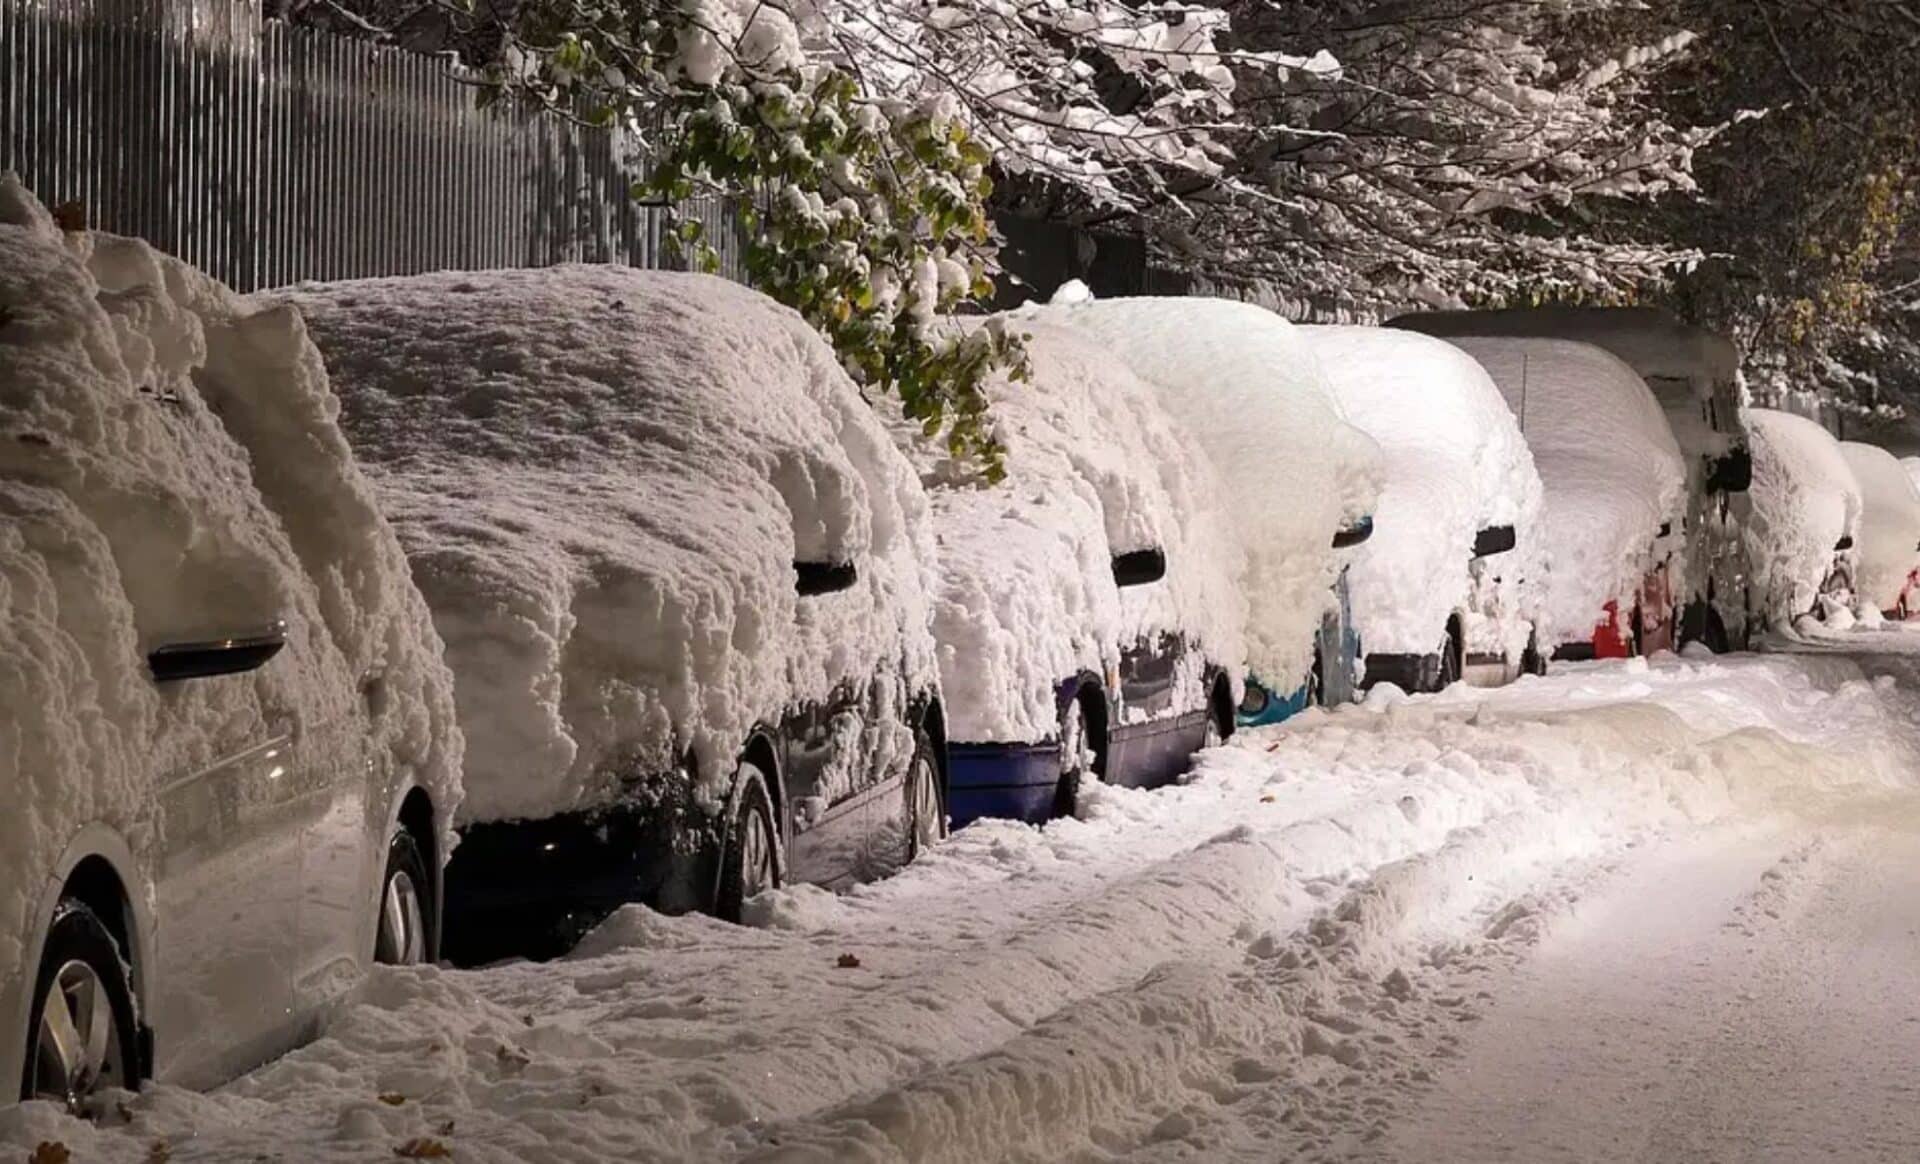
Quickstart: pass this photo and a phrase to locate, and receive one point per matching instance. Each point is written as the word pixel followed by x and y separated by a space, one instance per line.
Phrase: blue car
pixel 1335 677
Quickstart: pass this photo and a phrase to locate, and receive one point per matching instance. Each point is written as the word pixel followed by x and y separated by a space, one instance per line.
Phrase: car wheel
pixel 81 1038
pixel 1073 766
pixel 1532 660
pixel 924 801
pixel 750 862
pixel 1449 662
pixel 406 905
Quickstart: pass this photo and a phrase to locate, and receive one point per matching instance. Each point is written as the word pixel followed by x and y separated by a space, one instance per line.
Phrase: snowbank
pixel 1611 470
pixel 1027 598
pixel 172 472
pixel 1888 549
pixel 1805 500
pixel 1455 464
pixel 603 477
pixel 1242 380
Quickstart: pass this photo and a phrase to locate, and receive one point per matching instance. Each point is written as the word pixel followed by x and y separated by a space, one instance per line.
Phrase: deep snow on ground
pixel 1456 927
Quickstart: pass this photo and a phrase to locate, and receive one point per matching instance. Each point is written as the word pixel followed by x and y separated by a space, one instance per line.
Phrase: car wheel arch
pixel 1090 692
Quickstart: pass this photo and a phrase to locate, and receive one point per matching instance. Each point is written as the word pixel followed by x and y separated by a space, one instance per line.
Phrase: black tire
pixel 1532 661
pixel 1450 662
pixel 406 906
pixel 82 956
pixel 926 825
pixel 752 809
pixel 1317 679
pixel 1220 713
pixel 1066 798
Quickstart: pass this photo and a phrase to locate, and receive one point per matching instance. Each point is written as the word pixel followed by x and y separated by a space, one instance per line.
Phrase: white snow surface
pixel 1244 382
pixel 1805 499
pixel 1455 463
pixel 1889 540
pixel 603 477
pixel 1611 471
pixel 171 471
pixel 1026 597
pixel 1286 957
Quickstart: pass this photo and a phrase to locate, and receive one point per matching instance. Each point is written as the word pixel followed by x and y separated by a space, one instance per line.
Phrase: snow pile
pixel 1027 598
pixel 1805 500
pixel 1243 381
pixel 1265 959
pixel 603 477
pixel 1455 464
pixel 171 472
pixel 1611 471
pixel 1888 549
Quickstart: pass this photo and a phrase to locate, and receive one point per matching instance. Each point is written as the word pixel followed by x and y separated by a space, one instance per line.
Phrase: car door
pixel 1139 743
pixel 343 851
pixel 227 884
pixel 827 808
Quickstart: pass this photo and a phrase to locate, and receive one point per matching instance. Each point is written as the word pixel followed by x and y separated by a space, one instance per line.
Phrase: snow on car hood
pixel 1027 597
pixel 1805 500
pixel 603 478
pixel 171 472
pixel 1610 468
pixel 1249 389
pixel 1455 464
pixel 1889 538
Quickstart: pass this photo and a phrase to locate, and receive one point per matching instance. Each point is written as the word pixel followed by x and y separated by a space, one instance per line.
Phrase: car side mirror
pixel 815 578
pixel 1139 567
pixel 1495 539
pixel 1845 543
pixel 1348 536
pixel 1731 473
pixel 1666 527
pixel 229 656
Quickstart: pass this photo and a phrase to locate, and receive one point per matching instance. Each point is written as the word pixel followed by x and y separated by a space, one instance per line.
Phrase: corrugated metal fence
pixel 267 153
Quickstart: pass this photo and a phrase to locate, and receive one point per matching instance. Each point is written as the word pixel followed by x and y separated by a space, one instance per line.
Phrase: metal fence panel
pixel 267 153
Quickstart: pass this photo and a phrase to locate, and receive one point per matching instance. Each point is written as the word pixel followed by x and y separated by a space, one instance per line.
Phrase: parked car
pixel 1695 374
pixel 1887 552
pixel 1450 585
pixel 1805 522
pixel 680 570
pixel 227 741
pixel 1615 492
pixel 1245 383
pixel 1087 617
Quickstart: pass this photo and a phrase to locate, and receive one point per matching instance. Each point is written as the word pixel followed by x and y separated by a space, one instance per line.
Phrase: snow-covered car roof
pixel 1248 387
pixel 1027 598
pixel 1455 464
pixel 1608 463
pixel 172 473
pixel 1805 500
pixel 603 478
pixel 1888 544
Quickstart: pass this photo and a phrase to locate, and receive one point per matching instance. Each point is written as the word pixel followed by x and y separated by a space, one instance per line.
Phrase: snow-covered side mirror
pixel 1495 539
pixel 813 578
pixel 1845 543
pixel 1731 473
pixel 1348 536
pixel 228 656
pixel 1666 527
pixel 1139 567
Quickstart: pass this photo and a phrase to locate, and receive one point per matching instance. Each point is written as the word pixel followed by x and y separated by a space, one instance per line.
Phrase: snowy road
pixel 1621 913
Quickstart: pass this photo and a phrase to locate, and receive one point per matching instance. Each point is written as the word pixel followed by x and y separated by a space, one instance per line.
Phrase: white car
pixel 1887 554
pixel 681 572
pixel 229 753
pixel 1449 586
pixel 1805 521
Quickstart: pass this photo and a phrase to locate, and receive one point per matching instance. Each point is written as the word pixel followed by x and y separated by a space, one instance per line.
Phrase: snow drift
pixel 1888 549
pixel 1250 390
pixel 603 478
pixel 1455 464
pixel 1608 463
pixel 1027 597
pixel 171 471
pixel 1805 500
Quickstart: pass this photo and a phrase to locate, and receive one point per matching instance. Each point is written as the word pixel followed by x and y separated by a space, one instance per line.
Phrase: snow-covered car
pixel 1087 616
pixel 1303 481
pixel 681 574
pixel 1804 525
pixel 1887 553
pixel 1615 492
pixel 228 752
pixel 1695 374
pixel 1449 586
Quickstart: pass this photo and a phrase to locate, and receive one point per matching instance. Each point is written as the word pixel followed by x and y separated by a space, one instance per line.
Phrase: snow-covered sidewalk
pixel 1283 958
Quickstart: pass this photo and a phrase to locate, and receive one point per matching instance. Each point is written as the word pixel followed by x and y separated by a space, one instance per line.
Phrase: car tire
pixel 750 854
pixel 1450 663
pixel 926 800
pixel 83 989
pixel 1073 726
pixel 1532 660
pixel 404 936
